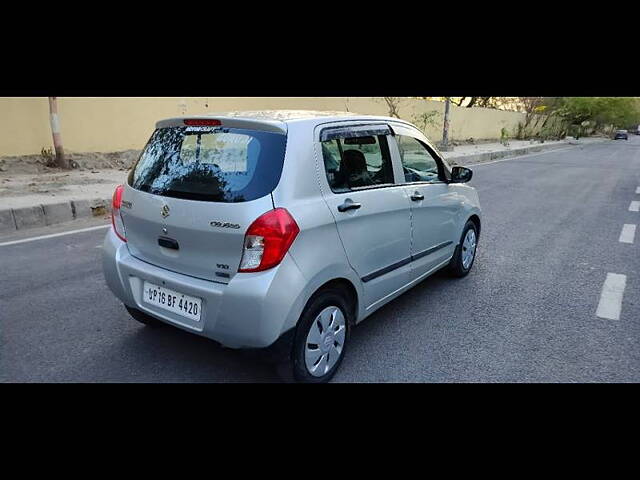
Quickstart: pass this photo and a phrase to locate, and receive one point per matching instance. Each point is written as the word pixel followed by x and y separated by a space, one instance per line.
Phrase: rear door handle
pixel 416 197
pixel 349 205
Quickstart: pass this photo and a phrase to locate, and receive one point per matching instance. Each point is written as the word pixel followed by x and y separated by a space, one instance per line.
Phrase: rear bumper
pixel 252 311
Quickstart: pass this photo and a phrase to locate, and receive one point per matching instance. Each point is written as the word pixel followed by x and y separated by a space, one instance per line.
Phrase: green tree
pixel 600 112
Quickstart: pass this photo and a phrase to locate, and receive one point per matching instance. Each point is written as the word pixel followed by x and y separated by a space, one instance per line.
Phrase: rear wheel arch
pixel 349 291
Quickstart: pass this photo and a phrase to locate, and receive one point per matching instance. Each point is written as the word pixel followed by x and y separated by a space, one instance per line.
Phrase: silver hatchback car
pixel 282 230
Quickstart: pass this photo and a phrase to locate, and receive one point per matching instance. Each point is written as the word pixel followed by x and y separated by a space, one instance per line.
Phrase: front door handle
pixel 349 205
pixel 416 197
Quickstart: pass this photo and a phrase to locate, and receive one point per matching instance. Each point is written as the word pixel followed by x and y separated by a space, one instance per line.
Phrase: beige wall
pixel 119 123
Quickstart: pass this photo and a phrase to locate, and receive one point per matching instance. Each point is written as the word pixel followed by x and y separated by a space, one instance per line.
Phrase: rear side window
pixel 210 164
pixel 357 163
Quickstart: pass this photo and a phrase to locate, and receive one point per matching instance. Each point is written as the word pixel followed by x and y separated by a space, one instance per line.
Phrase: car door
pixel 371 209
pixel 434 206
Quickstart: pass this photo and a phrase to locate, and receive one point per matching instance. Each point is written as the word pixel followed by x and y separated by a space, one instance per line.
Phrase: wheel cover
pixel 325 341
pixel 468 248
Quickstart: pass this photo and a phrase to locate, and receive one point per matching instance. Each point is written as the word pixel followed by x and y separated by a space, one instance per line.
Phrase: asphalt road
pixel 526 313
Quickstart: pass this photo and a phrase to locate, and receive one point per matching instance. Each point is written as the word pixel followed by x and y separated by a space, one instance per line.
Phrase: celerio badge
pixel 224 225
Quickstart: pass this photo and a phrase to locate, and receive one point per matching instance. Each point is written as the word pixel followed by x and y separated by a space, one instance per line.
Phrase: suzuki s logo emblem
pixel 165 211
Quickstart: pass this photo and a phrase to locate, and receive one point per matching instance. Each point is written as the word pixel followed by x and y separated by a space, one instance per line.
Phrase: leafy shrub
pixel 426 119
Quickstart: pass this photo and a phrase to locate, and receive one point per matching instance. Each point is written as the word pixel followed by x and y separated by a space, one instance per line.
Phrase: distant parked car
pixel 621 134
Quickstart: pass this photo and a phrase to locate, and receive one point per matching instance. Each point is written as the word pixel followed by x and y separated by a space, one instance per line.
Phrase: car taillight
pixel 267 240
pixel 116 219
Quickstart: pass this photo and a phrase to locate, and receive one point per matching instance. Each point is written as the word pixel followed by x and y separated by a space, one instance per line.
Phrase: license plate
pixel 176 302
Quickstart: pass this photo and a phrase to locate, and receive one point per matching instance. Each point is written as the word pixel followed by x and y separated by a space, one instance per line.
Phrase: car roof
pixel 280 117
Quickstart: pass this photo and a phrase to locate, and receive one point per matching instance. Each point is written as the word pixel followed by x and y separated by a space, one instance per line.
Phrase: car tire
pixel 460 266
pixel 144 318
pixel 322 333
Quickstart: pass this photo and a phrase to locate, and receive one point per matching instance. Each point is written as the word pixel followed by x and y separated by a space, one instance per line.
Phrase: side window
pixel 356 163
pixel 417 162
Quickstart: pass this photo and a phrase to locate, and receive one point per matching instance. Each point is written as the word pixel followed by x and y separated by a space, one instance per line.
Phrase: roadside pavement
pixel 485 152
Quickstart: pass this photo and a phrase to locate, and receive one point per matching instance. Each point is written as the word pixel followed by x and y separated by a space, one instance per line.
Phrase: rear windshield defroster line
pixel 214 164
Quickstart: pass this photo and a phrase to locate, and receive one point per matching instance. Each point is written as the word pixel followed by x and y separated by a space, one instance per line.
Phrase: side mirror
pixel 461 174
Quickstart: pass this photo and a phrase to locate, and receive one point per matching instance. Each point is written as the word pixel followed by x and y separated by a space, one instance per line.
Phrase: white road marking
pixel 628 233
pixel 638 190
pixel 53 235
pixel 634 206
pixel 611 297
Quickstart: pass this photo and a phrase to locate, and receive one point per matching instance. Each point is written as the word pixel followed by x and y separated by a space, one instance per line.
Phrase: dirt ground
pixel 36 164
pixel 27 180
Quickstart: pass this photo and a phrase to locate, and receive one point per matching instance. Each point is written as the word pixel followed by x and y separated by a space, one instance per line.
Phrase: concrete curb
pixel 516 152
pixel 24 218
pixel 7 221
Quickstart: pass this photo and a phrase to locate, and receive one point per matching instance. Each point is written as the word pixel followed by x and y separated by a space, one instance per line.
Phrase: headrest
pixel 355 160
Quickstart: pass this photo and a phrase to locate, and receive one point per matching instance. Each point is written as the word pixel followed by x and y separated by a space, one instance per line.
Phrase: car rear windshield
pixel 210 163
